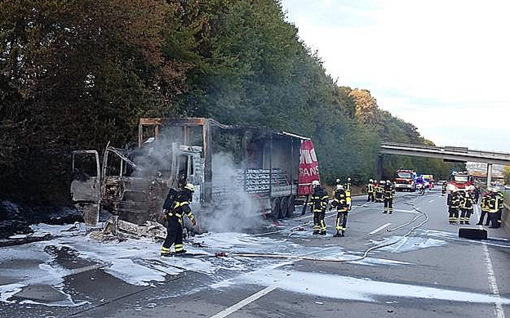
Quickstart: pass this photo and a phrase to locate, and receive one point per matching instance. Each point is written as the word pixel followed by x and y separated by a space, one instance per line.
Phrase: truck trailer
pixel 253 168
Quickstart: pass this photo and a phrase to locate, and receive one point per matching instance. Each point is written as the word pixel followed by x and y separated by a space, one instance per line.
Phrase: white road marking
pixel 493 285
pixel 83 269
pixel 498 309
pixel 431 201
pixel 379 228
pixel 406 211
pixel 244 302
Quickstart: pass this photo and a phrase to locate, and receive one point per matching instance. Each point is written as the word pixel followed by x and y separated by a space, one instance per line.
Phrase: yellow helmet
pixel 190 187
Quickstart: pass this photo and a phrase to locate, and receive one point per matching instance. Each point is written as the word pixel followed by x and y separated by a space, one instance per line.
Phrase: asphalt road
pixel 416 266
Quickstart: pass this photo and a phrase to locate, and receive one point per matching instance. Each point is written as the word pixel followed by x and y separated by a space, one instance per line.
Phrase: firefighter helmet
pixel 370 180
pixel 348 179
pixel 315 183
pixel 339 187
pixel 190 187
pixel 337 181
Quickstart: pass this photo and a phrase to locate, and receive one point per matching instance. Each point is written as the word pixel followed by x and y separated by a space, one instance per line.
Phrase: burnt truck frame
pixel 132 184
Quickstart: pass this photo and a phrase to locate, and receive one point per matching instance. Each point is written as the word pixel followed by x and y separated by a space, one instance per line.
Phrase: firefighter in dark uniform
pixel 501 204
pixel 453 207
pixel 174 215
pixel 340 203
pixel 347 188
pixel 494 201
pixel 319 202
pixel 370 191
pixel 389 194
pixel 379 192
pixel 443 188
pixel 466 206
pixel 484 206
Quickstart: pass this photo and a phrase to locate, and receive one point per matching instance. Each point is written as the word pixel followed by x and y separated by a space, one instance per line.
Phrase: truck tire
pixel 275 208
pixel 291 205
pixel 283 208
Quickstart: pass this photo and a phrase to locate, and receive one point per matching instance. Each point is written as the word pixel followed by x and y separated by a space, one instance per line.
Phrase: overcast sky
pixel 442 65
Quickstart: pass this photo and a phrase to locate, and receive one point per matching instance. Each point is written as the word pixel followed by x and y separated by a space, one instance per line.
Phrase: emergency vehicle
pixel 405 181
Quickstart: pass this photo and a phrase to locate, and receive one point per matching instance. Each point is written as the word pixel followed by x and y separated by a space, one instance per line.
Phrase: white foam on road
pixel 349 288
pixel 407 244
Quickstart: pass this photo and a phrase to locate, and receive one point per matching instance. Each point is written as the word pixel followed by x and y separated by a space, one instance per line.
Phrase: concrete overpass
pixel 460 154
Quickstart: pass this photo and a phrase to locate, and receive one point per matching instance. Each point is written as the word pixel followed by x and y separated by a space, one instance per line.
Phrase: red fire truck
pixel 405 181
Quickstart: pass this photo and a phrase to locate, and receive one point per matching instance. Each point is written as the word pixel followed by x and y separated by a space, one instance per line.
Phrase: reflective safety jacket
pixel 389 192
pixel 180 206
pixel 466 202
pixel 454 200
pixel 370 187
pixel 500 200
pixel 347 187
pixel 340 201
pixel 319 200
pixel 495 202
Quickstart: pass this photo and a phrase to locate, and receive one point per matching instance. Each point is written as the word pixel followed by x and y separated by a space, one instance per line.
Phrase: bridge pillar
pixel 489 174
pixel 379 167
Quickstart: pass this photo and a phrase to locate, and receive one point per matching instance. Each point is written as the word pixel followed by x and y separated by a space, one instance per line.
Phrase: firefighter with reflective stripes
pixel 379 191
pixel 494 203
pixel 466 206
pixel 174 215
pixel 347 189
pixel 340 203
pixel 443 188
pixel 389 194
pixel 484 206
pixel 347 185
pixel 453 206
pixel 319 202
pixel 501 204
pixel 370 191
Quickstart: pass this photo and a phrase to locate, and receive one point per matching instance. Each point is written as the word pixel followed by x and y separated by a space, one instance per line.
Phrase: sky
pixel 442 65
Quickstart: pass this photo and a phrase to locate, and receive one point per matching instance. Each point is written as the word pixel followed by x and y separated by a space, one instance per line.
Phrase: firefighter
pixel 370 191
pixel 476 194
pixel 466 205
pixel 347 188
pixel 500 202
pixel 453 206
pixel 493 209
pixel 443 188
pixel 484 206
pixel 340 203
pixel 174 215
pixel 389 194
pixel 379 192
pixel 319 201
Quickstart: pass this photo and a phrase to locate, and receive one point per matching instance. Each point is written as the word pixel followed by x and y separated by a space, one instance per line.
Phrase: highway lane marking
pixel 431 201
pixel 493 285
pixel 244 302
pixel 405 211
pixel 379 228
pixel 498 309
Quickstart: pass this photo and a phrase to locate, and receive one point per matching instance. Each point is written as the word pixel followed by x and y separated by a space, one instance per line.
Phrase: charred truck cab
pixel 260 164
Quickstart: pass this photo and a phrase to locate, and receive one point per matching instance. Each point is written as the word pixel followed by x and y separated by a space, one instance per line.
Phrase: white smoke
pixel 233 209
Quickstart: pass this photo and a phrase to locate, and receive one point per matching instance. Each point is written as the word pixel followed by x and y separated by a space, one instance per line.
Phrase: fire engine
pixel 405 181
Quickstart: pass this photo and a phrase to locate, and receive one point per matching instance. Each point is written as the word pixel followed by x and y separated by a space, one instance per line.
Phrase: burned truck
pixel 248 168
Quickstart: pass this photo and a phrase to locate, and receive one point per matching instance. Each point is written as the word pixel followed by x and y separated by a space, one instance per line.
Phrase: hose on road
pixel 365 254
